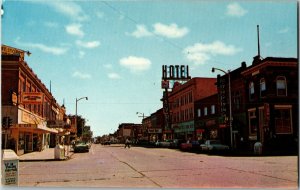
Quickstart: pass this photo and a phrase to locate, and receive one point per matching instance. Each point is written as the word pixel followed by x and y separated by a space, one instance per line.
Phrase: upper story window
pixel 213 109
pixel 205 111
pixel 262 87
pixel 281 86
pixel 199 112
pixel 237 100
pixel 251 91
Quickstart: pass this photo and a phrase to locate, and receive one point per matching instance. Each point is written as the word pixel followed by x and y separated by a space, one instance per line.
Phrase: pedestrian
pixel 127 143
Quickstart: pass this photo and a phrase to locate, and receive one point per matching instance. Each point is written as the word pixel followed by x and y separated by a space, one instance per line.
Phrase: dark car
pixel 176 143
pixel 81 147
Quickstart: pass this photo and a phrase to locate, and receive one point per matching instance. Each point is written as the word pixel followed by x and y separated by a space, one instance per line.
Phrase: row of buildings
pixel 32 120
pixel 261 99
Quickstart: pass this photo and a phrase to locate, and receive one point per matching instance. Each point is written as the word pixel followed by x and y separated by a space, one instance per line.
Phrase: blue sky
pixel 112 51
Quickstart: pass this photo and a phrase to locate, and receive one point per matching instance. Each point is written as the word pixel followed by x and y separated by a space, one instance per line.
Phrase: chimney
pixel 257 59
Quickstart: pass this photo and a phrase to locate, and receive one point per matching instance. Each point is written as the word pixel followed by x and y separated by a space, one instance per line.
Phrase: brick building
pixel 181 104
pixel 272 90
pixel 28 104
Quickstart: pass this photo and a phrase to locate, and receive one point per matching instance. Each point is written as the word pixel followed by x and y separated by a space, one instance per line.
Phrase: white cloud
pixel 67 8
pixel 135 64
pixel 80 75
pixel 170 31
pixel 42 47
pixel 141 31
pixel 114 76
pixel 91 44
pixel 74 29
pixel 234 9
pixel 284 30
pixel 200 53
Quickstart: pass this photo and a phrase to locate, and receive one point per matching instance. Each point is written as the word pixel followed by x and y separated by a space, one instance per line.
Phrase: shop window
pixel 262 87
pixel 281 86
pixel 251 91
pixel 283 119
pixel 213 109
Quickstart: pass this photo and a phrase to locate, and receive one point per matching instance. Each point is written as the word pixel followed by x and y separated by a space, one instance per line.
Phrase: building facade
pixel 181 104
pixel 272 105
pixel 27 105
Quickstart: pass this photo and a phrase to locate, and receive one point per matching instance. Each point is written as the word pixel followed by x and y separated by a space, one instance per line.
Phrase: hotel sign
pixel 32 97
pixel 175 72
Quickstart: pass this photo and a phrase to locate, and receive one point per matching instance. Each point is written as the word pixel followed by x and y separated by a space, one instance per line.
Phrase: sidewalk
pixel 45 155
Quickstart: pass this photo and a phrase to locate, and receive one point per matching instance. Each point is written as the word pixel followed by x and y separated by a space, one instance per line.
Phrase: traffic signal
pixel 4 122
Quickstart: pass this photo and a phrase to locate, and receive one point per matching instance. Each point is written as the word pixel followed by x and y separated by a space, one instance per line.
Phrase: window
pixel 205 111
pixel 251 91
pixel 252 124
pixel 262 87
pixel 213 109
pixel 283 119
pixel 237 100
pixel 281 86
pixel 199 112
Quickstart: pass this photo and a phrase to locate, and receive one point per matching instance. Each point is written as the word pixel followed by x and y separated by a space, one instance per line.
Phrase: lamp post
pixel 229 97
pixel 143 116
pixel 77 100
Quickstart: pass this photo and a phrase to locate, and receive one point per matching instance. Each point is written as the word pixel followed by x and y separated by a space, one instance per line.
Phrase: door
pixel 261 124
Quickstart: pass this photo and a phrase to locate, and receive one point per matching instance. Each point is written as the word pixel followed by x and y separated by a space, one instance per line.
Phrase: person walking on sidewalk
pixel 127 143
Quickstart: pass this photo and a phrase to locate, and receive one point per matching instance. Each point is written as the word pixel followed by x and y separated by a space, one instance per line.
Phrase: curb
pixel 46 160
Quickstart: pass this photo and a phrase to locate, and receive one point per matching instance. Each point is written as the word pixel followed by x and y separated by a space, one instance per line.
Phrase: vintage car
pixel 81 147
pixel 165 144
pixel 214 146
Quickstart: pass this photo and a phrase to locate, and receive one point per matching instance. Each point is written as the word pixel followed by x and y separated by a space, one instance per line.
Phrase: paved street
pixel 114 166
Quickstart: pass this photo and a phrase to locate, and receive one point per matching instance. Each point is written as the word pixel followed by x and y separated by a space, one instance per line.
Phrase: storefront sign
pixel 198 131
pixel 175 72
pixel 32 97
pixel 210 123
pixel 154 130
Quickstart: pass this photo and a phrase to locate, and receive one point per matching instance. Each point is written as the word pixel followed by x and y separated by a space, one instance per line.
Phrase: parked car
pixel 165 144
pixel 81 147
pixel 195 145
pixel 106 143
pixel 214 146
pixel 176 143
pixel 186 146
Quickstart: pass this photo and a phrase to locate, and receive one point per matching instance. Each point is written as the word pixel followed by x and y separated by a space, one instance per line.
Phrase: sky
pixel 112 51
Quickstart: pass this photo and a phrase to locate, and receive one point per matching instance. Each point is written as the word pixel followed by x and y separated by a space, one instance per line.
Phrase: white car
pixel 213 146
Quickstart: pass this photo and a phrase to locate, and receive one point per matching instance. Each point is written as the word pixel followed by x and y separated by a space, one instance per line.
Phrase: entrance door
pixel 28 142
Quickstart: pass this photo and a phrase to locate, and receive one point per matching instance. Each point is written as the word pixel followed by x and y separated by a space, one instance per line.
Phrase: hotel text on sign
pixel 175 72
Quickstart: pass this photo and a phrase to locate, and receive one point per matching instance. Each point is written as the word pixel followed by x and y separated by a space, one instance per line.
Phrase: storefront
pixel 155 134
pixel 30 137
pixel 184 130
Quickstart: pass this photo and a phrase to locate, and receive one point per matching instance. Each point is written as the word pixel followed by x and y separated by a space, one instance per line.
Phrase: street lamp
pixel 76 114
pixel 229 96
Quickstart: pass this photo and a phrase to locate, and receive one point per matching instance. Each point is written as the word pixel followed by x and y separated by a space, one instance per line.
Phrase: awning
pixel 45 128
pixel 33 127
